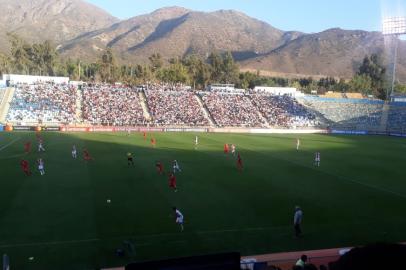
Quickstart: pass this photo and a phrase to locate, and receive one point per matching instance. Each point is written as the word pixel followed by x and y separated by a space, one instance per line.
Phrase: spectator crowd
pixel 348 113
pixel 283 111
pixel 43 103
pixel 175 108
pixel 112 105
pixel 177 105
pixel 397 117
pixel 232 109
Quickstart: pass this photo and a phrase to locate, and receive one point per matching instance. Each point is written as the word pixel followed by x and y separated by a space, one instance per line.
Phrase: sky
pixel 301 15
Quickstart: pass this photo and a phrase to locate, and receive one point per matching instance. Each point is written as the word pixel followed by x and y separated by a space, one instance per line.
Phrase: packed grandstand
pixel 177 105
pixel 161 105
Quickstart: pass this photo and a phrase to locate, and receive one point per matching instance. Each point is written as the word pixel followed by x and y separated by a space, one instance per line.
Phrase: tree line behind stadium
pixel 43 59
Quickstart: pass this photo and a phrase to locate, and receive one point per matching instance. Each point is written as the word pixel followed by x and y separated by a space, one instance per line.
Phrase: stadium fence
pixel 338 131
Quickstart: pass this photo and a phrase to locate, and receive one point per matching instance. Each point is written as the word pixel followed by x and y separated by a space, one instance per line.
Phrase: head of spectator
pixel 302 261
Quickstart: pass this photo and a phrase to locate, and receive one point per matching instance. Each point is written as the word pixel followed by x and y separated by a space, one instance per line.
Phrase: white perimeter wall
pixel 278 91
pixel 33 79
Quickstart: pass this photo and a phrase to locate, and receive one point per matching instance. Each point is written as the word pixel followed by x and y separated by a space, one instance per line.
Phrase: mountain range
pixel 81 30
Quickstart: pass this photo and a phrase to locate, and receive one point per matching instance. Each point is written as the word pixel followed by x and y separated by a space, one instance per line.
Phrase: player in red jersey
pixel 144 135
pixel 86 155
pixel 159 167
pixel 172 182
pixel 27 147
pixel 153 142
pixel 25 167
pixel 239 162
pixel 226 148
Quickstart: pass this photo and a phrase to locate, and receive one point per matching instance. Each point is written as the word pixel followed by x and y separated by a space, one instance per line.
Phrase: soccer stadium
pixel 160 171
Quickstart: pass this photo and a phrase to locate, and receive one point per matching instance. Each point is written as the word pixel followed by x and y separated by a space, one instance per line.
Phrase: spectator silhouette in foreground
pixel 376 256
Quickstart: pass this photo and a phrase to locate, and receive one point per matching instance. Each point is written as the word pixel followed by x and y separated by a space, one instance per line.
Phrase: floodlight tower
pixel 394 27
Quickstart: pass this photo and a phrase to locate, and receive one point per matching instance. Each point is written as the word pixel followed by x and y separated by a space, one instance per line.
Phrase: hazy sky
pixel 302 15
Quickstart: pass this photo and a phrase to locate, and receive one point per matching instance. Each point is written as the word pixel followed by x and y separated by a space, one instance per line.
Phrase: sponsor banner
pixel 229 130
pixel 335 131
pixel 287 131
pixel 109 129
pixel 195 129
pixel 153 129
pixel 101 129
pixel 50 128
pixel 75 129
pixel 377 133
pixel 132 129
pixel 1 128
pixel 395 134
pixel 174 129
pixel 23 128
pixel 349 132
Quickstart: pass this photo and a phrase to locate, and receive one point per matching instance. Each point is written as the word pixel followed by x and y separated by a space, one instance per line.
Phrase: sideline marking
pixel 139 237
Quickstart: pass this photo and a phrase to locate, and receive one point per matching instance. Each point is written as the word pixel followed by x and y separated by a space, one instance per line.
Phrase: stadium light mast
pixel 394 27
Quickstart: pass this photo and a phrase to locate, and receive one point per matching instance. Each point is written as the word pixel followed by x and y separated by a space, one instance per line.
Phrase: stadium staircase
pixel 206 111
pixel 5 103
pixel 144 105
pixel 385 116
pixel 319 116
pixel 79 102
pixel 261 115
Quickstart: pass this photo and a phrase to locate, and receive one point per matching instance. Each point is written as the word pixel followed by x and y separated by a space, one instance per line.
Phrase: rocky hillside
pixel 81 30
pixel 334 52
pixel 55 20
pixel 176 31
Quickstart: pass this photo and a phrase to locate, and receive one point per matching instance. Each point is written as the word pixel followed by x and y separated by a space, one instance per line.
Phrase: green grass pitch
pixel 63 220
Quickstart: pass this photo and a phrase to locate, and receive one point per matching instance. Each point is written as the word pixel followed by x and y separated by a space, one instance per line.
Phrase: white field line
pixel 335 175
pixel 10 143
pixel 52 243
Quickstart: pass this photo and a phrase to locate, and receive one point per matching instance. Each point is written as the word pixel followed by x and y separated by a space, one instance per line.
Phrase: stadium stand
pixel 2 92
pixel 167 87
pixel 2 105
pixel 177 105
pixel 283 111
pixel 175 108
pixel 230 109
pixel 43 103
pixel 397 116
pixel 112 105
pixel 7 95
pixel 355 113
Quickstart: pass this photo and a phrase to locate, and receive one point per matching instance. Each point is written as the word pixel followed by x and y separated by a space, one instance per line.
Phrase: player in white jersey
pixel 74 152
pixel 196 142
pixel 179 218
pixel 297 144
pixel 41 167
pixel 317 159
pixel 233 150
pixel 176 167
pixel 40 146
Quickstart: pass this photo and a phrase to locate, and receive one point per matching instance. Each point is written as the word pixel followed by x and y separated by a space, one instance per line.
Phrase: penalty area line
pixel 10 143
pixel 50 243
